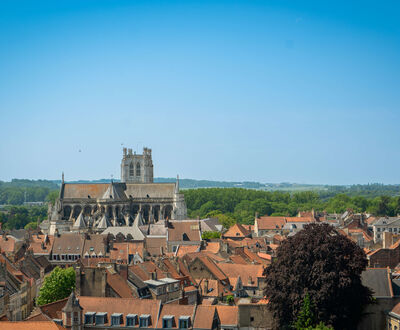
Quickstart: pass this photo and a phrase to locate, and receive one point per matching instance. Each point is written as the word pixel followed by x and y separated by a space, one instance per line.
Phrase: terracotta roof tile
pixel 31 325
pixel 228 315
pixel 7 244
pixel 204 317
pixel 122 305
pixel 184 230
pixel 175 311
pixel 269 223
pixel 237 231
pixel 36 244
pixel 212 247
pixel 244 271
pixel 184 249
pixel 121 251
pixel 119 285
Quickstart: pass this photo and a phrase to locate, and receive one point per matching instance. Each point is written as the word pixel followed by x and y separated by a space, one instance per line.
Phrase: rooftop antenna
pixel 112 176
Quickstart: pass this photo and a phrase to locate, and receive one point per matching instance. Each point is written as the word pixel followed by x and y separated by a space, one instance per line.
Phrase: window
pixel 395 230
pixel 101 318
pixel 378 229
pixel 76 317
pixel 138 169
pixel 184 322
pixel 174 247
pixel 131 320
pixel 144 321
pixel 116 319
pixel 89 317
pixel 167 321
pixel 251 318
pixel 379 235
pixel 131 169
pixel 390 230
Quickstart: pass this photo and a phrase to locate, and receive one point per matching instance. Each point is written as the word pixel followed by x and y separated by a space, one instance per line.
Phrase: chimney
pixel 250 280
pixel 206 285
pixel 387 240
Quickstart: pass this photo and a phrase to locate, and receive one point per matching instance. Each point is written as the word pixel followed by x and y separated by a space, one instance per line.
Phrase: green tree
pixel 52 196
pixel 31 225
pixel 58 285
pixel 306 316
pixel 230 299
pixel 210 234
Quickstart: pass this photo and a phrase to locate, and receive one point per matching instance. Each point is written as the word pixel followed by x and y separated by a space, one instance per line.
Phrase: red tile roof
pixel 119 285
pixel 228 315
pixel 31 325
pixel 237 231
pixel 121 251
pixel 244 271
pixel 204 317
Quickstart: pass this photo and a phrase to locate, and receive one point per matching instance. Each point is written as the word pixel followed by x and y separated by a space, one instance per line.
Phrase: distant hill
pixel 19 191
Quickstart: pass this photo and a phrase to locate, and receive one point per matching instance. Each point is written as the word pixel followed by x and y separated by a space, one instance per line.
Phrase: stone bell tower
pixel 137 168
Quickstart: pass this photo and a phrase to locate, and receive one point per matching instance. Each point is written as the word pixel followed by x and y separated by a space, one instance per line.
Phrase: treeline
pixel 18 217
pixel 18 191
pixel 371 190
pixel 240 205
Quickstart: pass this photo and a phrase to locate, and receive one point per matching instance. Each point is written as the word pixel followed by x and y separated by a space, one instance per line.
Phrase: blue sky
pixel 283 91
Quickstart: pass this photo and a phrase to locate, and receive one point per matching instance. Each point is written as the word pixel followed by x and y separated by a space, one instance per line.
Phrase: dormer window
pixel 184 322
pixel 168 321
pixel 116 319
pixel 131 320
pixel 101 318
pixel 89 317
pixel 144 320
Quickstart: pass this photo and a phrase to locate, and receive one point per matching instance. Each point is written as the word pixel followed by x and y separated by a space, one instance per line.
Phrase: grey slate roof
pixel 378 280
pixel 387 221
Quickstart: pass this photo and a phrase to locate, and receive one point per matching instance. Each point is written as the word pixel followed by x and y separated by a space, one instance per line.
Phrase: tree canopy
pixel 320 263
pixel 57 285
pixel 232 205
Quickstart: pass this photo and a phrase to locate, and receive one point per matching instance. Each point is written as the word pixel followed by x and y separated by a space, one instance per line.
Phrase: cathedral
pixel 97 206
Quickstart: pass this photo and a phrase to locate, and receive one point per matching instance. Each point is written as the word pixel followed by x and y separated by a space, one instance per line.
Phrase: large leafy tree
pixel 320 263
pixel 57 285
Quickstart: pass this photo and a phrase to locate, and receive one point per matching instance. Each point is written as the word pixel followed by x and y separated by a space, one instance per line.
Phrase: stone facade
pixel 95 207
pixel 137 168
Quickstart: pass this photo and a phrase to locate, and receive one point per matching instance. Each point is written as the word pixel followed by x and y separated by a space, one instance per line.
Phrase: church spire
pixel 177 185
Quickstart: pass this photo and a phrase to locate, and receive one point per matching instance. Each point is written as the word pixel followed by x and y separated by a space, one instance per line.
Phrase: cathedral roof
pixel 138 220
pixel 80 222
pixel 104 223
pixel 113 193
pixel 118 190
pixel 135 232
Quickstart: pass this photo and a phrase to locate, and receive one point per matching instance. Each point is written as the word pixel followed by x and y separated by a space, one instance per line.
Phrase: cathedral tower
pixel 137 168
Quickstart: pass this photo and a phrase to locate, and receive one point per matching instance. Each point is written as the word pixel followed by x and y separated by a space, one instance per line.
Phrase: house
pixel 385 224
pixel 266 225
pixel 15 291
pixel 237 232
pixel 100 313
pixel 251 277
pixel 183 232
pixel 393 318
pixel 127 252
pixel 386 293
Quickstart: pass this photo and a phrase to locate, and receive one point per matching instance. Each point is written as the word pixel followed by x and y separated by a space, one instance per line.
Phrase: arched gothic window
pixel 138 169
pixel 131 169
